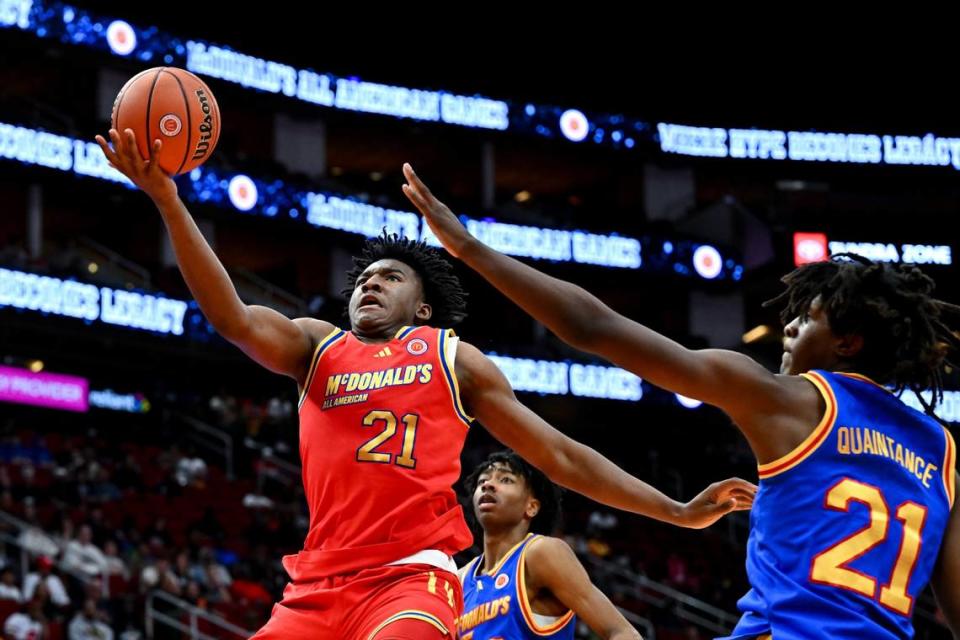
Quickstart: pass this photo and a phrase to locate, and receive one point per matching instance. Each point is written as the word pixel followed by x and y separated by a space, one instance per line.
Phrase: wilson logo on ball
pixel 170 125
pixel 206 126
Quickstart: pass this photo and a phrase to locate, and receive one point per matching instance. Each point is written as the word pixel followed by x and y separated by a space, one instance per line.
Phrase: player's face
pixel 502 498
pixel 809 342
pixel 387 295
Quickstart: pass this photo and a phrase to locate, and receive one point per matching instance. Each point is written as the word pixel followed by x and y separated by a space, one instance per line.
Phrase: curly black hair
pixel 906 340
pixel 441 287
pixel 548 518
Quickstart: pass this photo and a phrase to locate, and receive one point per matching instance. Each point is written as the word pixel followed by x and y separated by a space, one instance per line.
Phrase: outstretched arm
pixel 736 383
pixel 576 466
pixel 278 343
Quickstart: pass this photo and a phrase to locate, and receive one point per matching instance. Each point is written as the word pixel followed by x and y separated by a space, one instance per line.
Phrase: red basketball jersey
pixel 381 430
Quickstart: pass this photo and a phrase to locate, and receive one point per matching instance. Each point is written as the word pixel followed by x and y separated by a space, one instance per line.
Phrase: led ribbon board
pixel 78 27
pixel 272 198
pixel 809 146
pixel 68 298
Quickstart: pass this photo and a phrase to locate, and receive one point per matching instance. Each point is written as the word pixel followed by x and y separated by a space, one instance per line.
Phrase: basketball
pixel 175 106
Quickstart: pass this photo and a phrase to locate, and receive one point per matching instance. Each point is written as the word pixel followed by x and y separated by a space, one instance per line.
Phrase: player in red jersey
pixel 384 412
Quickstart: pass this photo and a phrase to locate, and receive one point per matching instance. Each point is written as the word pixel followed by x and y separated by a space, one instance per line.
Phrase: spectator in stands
pixel 186 570
pixel 51 582
pixel 159 575
pixel 191 470
pixel 89 624
pixel 29 624
pixel 8 586
pixel 83 556
pixel 32 538
pixel 113 563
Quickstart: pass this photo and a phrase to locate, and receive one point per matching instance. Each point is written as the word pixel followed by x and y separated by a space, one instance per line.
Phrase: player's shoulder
pixel 317 330
pixel 547 559
pixel 548 550
pixel 540 544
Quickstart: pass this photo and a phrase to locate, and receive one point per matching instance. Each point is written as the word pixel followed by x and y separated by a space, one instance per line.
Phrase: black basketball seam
pixel 150 104
pixel 186 105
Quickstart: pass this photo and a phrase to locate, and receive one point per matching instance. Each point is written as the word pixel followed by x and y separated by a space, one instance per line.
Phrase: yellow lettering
pixel 352 382
pixel 410 374
pixel 929 472
pixel 426 373
pixel 867 441
pixel 504 604
pixel 880 444
pixel 388 377
pixel 843 440
pixel 333 385
pixel 376 379
pixel 856 440
pixel 364 382
pixel 899 455
pixel 909 459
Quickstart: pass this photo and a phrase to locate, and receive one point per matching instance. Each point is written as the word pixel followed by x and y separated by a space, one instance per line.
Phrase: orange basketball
pixel 175 106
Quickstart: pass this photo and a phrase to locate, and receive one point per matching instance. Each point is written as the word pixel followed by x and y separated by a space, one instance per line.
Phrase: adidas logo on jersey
pixel 383 353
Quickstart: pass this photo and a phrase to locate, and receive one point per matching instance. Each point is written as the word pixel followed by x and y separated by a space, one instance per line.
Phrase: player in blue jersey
pixel 855 513
pixel 527 585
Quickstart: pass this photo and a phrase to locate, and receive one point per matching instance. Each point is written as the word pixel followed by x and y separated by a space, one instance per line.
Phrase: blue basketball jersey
pixel 496 607
pixel 846 528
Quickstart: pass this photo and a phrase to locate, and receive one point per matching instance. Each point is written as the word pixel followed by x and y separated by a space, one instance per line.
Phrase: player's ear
pixel 849 346
pixel 424 312
pixel 533 508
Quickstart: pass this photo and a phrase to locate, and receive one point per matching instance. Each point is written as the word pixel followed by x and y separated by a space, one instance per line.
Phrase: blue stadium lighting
pixel 34 293
pixel 562 378
pixel 75 26
pixel 809 146
pixel 68 298
pixel 266 197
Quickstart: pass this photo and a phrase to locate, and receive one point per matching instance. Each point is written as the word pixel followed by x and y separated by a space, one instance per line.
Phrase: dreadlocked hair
pixel 548 518
pixel 441 287
pixel 906 341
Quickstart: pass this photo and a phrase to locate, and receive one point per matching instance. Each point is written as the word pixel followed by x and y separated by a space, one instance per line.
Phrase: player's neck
pixel 497 544
pixel 378 335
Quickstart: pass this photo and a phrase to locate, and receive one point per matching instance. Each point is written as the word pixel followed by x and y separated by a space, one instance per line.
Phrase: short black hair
pixel 906 341
pixel 548 518
pixel 441 286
